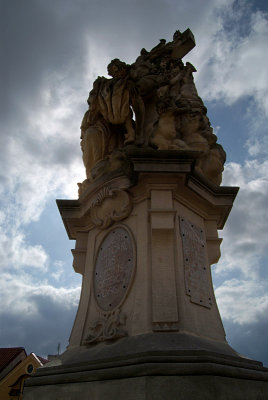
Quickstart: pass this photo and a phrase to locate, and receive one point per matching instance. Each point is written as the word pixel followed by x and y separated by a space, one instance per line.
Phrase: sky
pixel 51 52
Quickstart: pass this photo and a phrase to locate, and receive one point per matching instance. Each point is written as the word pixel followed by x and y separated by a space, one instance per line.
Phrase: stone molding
pixel 154 354
pixel 92 208
pixel 100 206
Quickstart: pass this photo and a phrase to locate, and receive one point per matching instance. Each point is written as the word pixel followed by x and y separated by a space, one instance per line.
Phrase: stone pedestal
pixel 148 326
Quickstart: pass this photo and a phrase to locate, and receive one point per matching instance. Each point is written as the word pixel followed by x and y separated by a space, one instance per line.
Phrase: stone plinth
pixel 148 326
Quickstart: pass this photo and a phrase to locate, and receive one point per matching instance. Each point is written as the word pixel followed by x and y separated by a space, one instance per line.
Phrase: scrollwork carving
pixel 108 327
pixel 110 205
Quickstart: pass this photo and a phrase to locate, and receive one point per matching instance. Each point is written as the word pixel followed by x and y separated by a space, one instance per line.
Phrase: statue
pixel 146 229
pixel 152 103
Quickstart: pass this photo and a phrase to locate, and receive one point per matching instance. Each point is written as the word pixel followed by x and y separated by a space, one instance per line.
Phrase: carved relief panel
pixel 113 273
pixel 114 268
pixel 196 269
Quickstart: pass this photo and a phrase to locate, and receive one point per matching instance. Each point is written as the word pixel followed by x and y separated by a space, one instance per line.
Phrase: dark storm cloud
pixel 42 47
pixel 36 44
pixel 46 48
pixel 249 340
pixel 41 37
pixel 39 333
pixel 53 150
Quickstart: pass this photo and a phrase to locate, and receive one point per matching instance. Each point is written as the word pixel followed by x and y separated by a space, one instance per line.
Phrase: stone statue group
pixel 152 103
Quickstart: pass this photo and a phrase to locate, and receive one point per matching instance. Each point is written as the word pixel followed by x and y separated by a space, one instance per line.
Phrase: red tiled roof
pixel 7 354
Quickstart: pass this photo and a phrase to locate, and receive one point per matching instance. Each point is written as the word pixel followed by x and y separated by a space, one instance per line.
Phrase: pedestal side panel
pixel 198 310
pixel 164 296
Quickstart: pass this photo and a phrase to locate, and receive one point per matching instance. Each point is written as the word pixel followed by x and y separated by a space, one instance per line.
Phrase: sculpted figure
pixel 188 94
pixel 123 95
pixel 97 140
pixel 108 124
pixel 114 97
pixel 211 164
pixel 192 126
pixel 152 102
pixel 166 134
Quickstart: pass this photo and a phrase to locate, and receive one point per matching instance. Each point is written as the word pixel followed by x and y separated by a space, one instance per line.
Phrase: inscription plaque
pixel 196 269
pixel 114 268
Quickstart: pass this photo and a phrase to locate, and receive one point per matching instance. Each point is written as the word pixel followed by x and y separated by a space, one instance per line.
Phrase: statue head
pixel 163 63
pixel 117 68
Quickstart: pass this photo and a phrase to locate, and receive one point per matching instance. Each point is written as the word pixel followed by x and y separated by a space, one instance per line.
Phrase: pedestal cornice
pixel 171 167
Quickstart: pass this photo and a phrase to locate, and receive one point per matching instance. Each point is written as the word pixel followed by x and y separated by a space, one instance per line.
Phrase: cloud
pixel 245 239
pixel 40 315
pixel 243 301
pixel 231 61
pixel 21 294
pixel 235 64
pixel 241 282
pixel 243 305
pixel 249 340
pixel 41 159
pixel 16 252
pixel 58 270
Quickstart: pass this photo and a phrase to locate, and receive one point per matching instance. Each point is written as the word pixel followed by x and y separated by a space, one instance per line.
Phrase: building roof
pixel 7 354
pixel 43 360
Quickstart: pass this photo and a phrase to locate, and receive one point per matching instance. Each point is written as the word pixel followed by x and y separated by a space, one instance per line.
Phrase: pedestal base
pixel 155 388
pixel 153 366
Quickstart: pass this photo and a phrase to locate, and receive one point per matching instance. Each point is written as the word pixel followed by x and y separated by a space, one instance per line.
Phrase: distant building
pixel 15 367
pixel 52 357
